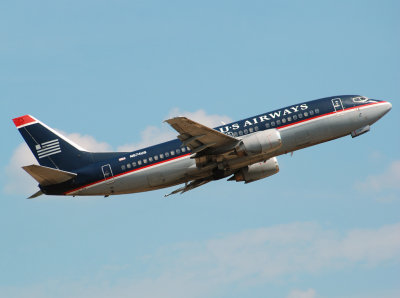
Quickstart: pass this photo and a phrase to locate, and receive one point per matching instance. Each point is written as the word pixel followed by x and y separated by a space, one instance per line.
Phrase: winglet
pixel 24 120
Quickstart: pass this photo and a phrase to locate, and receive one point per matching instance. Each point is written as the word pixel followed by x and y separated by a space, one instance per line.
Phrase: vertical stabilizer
pixel 50 148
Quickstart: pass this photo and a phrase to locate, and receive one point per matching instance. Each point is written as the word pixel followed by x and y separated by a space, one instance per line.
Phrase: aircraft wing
pixel 201 138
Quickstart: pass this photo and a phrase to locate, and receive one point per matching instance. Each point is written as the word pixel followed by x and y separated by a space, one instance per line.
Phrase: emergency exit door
pixel 337 104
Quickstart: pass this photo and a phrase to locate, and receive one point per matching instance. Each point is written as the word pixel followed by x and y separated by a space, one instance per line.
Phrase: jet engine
pixel 260 142
pixel 257 171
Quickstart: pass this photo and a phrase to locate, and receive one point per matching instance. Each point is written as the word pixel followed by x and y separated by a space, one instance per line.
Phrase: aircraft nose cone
pixel 389 106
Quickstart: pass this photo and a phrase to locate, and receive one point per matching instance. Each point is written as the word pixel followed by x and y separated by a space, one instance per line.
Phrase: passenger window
pixel 183 149
pixel 311 112
pixel 134 164
pixel 289 118
pixel 300 116
pixel 188 149
pixel 128 165
pixel 273 123
pixel 246 131
pixel 305 114
pixel 172 153
pixel 278 122
pixel 178 151
pixel 251 129
pixel 123 167
pixel 267 125
pixel 150 159
pixel 155 157
pixel 240 133
pixel 161 156
pixel 166 154
pixel 316 111
pixel 256 128
pixel 283 120
pixel 235 134
pixel 294 117
pixel 145 160
pixel 139 162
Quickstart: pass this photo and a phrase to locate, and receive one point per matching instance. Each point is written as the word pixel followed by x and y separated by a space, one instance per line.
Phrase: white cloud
pixel 310 293
pixel 202 117
pixel 258 256
pixel 150 136
pixel 17 181
pixel 390 179
pixel 157 134
pixel 274 252
pixel 383 187
pixel 89 143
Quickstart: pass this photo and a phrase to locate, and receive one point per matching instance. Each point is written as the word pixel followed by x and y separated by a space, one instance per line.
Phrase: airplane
pixel 245 150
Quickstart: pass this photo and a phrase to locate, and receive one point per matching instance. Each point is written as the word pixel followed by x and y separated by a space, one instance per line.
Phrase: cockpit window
pixel 359 99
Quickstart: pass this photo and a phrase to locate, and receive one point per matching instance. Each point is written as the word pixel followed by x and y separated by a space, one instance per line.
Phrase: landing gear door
pixel 337 104
pixel 108 174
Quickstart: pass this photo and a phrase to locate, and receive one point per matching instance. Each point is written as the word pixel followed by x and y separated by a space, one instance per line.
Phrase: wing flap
pixel 200 137
pixel 48 176
pixel 189 186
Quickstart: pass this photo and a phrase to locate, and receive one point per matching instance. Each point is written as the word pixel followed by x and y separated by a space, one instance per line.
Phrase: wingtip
pixel 174 118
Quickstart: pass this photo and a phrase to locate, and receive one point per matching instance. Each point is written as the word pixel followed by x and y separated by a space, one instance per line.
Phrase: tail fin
pixel 50 148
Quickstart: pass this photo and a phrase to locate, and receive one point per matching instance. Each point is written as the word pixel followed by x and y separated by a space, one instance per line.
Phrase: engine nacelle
pixel 257 171
pixel 260 142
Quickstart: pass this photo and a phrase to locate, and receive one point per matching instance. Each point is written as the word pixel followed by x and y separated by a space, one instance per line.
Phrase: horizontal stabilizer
pixel 48 176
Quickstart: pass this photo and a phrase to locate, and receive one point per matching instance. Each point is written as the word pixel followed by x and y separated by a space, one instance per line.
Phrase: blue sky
pixel 107 73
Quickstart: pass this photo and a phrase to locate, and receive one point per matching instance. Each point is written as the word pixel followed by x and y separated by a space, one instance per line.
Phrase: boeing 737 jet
pixel 243 150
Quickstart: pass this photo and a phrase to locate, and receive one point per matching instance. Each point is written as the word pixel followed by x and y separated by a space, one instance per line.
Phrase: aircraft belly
pixel 304 135
pixel 100 188
pixel 169 173
pixel 158 176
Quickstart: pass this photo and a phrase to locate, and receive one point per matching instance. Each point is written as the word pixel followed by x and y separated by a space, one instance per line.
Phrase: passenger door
pixel 108 174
